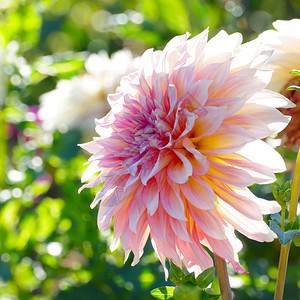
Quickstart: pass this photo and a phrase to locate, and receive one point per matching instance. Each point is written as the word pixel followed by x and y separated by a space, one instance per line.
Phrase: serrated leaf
pixel 284 237
pixel 176 274
pixel 293 87
pixel 206 277
pixel 292 224
pixel 190 278
pixel 164 292
pixel 296 241
pixel 295 72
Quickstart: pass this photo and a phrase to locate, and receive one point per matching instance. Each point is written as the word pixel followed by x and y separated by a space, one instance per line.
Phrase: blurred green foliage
pixel 50 247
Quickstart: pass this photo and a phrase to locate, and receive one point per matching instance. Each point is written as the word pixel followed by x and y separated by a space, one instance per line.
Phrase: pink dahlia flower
pixel 180 146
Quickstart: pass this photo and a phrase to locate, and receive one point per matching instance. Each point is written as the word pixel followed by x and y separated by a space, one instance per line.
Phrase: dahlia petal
pixel 221 248
pixel 256 230
pixel 91 147
pixel 208 223
pixel 274 119
pixel 196 95
pixel 171 202
pixel 271 99
pixel 150 196
pixel 90 171
pixel 190 121
pixel 232 104
pixel 198 161
pixel 120 220
pixel 114 101
pixel 259 173
pixel 266 206
pixel 196 46
pixel 239 268
pixel 180 230
pixel 160 84
pixel 177 41
pixel 182 78
pixel 143 83
pixel 136 241
pixel 98 180
pixel 198 193
pixel 229 174
pixel 110 184
pixel 285 27
pixel 237 200
pixel 267 155
pixel 164 250
pixel 137 208
pixel 147 64
pixel 256 128
pixel 157 223
pixel 217 73
pixel 195 258
pixel 210 119
pixel 153 166
pixel 251 54
pixel 227 139
pixel 179 168
pixel 172 98
pixel 222 43
pixel 239 85
pixel 107 209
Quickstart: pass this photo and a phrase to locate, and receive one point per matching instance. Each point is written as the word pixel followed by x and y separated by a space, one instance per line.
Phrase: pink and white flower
pixel 286 44
pixel 180 146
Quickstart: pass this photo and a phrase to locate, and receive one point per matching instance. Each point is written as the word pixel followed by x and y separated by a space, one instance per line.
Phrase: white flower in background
pixel 286 45
pixel 76 102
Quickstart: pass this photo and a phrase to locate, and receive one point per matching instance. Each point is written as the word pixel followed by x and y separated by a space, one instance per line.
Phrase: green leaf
pixel 295 72
pixel 293 87
pixel 296 241
pixel 190 278
pixel 276 217
pixel 187 292
pixel 206 296
pixel 206 277
pixel 284 237
pixel 176 274
pixel 292 224
pixel 275 191
pixel 164 292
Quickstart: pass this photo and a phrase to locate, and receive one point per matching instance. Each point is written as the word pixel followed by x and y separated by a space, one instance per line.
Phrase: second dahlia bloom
pixel 78 101
pixel 180 146
pixel 286 44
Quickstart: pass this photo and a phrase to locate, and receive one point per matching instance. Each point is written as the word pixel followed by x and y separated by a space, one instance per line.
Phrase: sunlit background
pixel 58 61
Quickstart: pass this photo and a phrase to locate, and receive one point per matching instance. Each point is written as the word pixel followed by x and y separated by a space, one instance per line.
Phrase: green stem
pixel 282 217
pixel 284 251
pixel 223 279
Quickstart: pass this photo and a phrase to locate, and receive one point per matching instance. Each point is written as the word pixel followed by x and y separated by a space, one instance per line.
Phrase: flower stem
pixel 282 217
pixel 222 274
pixel 284 251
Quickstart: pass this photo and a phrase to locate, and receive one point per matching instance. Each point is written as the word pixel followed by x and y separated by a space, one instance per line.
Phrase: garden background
pixel 50 246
